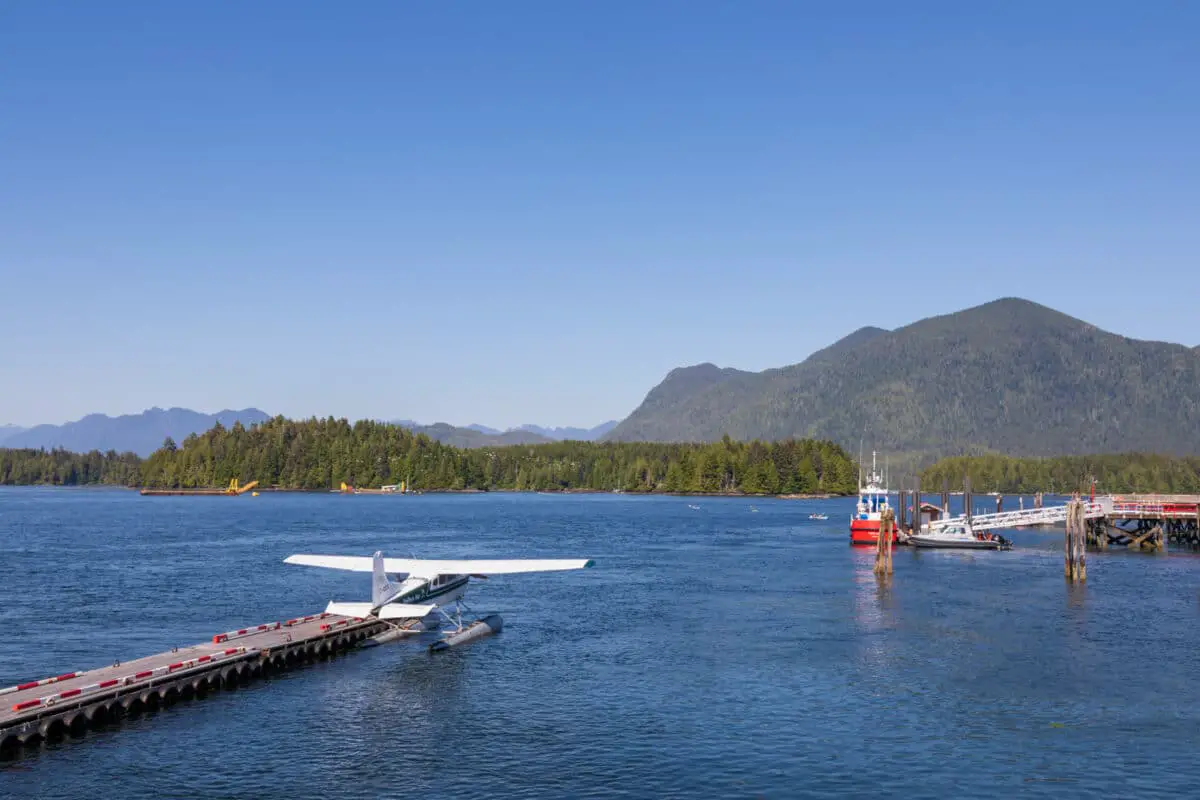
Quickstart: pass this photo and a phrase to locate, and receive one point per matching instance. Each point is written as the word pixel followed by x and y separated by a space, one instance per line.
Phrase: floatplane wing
pixel 433 567
pixel 441 581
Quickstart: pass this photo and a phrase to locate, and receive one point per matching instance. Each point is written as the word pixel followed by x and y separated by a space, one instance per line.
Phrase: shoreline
pixel 155 491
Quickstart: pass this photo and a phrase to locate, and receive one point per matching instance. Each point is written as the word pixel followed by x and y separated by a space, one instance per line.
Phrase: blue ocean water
pixel 734 650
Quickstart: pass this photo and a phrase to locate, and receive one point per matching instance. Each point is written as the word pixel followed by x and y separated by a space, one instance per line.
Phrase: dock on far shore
pixel 234 489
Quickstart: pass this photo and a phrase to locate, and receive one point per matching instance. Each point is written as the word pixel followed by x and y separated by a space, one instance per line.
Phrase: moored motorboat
pixel 959 537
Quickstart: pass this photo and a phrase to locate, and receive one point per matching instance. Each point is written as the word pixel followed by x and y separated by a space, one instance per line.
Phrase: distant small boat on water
pixel 818 516
pixel 695 508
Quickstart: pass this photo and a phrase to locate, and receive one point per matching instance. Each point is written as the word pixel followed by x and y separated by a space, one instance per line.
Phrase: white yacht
pixel 961 536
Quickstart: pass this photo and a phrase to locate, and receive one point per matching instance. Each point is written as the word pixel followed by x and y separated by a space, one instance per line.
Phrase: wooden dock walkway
pixel 50 708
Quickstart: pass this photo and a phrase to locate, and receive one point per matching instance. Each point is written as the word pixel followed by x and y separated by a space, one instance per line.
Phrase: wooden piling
pixel 917 519
pixel 883 546
pixel 1075 566
pixel 967 500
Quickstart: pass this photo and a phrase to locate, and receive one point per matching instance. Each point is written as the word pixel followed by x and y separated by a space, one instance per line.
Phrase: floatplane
pixel 413 595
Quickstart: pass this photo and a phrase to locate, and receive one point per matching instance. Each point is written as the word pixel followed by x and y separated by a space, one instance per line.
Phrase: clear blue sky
pixel 530 212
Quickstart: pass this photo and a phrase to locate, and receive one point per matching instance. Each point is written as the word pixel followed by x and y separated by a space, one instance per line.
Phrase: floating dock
pixel 70 703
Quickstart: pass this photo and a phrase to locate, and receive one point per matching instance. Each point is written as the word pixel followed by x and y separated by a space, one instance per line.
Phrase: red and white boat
pixel 872 502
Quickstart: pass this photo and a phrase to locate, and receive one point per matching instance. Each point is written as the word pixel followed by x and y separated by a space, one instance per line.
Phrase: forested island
pixel 1123 473
pixel 320 454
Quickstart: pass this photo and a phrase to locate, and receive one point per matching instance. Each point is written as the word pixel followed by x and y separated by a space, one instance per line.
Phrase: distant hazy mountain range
pixel 469 437
pixel 8 431
pixel 476 435
pixel 144 433
pixel 556 434
pixel 140 433
pixel 1010 376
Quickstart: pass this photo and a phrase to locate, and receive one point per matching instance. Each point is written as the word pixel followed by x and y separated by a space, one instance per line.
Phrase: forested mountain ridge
pixel 1010 376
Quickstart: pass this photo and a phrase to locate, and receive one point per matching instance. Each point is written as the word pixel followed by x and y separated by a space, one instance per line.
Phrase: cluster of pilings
pixel 1143 534
pixel 94 711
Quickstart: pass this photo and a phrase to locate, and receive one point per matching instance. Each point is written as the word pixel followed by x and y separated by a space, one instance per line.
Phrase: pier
pixel 1147 521
pixel 72 702
pixel 1138 521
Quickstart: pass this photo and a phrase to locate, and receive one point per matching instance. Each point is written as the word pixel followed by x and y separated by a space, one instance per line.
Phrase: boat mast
pixel 860 465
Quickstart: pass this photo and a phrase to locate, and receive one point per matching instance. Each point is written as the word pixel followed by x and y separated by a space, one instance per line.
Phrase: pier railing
pixel 1025 518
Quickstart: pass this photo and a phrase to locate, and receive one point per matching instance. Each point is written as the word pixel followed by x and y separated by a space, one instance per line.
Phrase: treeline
pixel 323 453
pixel 1114 474
pixel 62 468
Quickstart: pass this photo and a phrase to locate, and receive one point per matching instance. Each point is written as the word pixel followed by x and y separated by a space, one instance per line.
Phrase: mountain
pixel 469 437
pixel 525 434
pixel 8 431
pixel 139 433
pixel 1009 376
pixel 574 434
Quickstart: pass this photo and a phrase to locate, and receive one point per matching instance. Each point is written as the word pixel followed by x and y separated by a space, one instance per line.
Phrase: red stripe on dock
pixel 31 685
pixel 70 692
pixel 26 704
pixel 145 674
pixel 67 676
pixel 106 684
pixel 174 666
pixel 202 659
pixel 231 651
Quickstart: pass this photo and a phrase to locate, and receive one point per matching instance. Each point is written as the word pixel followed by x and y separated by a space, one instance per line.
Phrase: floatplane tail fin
pixel 382 588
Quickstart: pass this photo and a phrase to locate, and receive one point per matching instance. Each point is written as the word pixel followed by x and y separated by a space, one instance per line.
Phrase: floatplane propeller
pixel 412 595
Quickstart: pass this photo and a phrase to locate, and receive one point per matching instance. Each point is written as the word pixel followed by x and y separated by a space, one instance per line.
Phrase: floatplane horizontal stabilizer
pixel 389 611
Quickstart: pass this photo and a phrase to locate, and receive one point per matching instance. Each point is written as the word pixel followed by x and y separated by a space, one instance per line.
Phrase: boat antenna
pixel 860 460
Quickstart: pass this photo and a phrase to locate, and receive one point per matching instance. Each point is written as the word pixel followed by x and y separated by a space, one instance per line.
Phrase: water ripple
pixel 709 653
